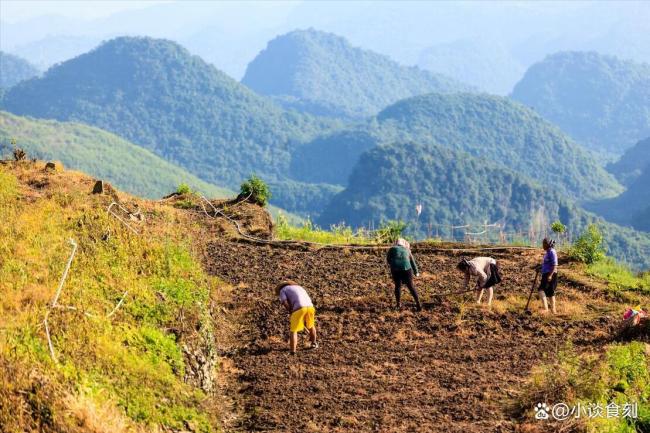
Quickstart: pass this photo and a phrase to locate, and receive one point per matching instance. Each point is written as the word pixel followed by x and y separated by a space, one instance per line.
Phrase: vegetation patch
pixel 308 232
pixel 130 364
pixel 620 376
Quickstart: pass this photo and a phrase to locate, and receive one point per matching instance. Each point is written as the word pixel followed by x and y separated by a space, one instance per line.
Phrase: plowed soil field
pixel 454 367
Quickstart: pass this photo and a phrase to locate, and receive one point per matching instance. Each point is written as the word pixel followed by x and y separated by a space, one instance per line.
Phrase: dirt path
pixel 452 368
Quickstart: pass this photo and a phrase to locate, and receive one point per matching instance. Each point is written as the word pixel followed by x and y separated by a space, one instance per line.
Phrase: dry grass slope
pixel 142 369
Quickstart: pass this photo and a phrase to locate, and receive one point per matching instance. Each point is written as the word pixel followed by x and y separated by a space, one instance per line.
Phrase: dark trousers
pixel 548 286
pixel 404 277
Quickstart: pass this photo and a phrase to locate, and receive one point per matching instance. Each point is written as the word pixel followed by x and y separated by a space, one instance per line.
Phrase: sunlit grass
pixel 308 232
pixel 620 375
pixel 619 276
pixel 129 366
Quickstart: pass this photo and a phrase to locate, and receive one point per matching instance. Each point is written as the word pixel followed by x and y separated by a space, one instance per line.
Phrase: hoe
pixel 532 289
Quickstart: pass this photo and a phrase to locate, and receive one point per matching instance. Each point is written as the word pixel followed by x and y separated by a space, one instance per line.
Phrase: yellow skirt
pixel 302 318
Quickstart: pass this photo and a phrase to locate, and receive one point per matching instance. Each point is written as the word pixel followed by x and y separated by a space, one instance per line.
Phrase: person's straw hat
pixel 284 284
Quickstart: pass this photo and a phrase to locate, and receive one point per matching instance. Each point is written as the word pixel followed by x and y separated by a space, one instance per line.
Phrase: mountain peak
pixel 600 100
pixel 156 94
pixel 323 73
pixel 14 69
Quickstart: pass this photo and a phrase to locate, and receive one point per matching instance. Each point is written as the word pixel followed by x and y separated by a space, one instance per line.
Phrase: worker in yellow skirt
pixel 303 314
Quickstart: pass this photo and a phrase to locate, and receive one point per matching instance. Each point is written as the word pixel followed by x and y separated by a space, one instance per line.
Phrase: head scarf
pixel 548 241
pixel 403 243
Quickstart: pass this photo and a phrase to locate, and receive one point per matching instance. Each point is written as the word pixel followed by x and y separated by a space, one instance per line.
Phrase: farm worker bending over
pixel 487 272
pixel 303 314
pixel 402 266
pixel 549 274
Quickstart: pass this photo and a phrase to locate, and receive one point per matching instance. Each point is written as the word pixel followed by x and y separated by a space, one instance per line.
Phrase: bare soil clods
pixel 455 367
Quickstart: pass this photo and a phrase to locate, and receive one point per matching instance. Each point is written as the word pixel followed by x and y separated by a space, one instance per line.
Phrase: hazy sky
pixel 18 10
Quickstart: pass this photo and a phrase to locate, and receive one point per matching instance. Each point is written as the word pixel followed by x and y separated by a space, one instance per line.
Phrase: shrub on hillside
pixel 255 190
pixel 391 230
pixel 588 248
pixel 183 188
pixel 558 227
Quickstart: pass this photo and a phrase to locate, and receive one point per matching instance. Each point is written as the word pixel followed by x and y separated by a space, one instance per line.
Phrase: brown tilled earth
pixel 455 367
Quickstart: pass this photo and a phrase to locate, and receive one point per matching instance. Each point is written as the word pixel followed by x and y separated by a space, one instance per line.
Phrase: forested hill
pixel 492 128
pixel 631 208
pixel 323 74
pixel 156 94
pixel 628 168
pixel 14 69
pixel 601 101
pixel 100 154
pixel 457 188
pixel 453 187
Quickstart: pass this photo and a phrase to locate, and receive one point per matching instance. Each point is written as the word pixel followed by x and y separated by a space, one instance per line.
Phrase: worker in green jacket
pixel 402 267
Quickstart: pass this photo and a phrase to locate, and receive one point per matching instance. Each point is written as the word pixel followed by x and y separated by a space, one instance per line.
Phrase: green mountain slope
pixel 491 128
pixel 632 207
pixel 323 74
pixel 601 101
pixel 631 164
pixel 330 158
pixel 100 154
pixel 14 69
pixel 642 220
pixel 454 187
pixel 157 95
pixel 457 188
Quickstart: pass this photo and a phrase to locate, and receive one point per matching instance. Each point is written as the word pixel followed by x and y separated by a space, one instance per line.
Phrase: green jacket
pixel 401 259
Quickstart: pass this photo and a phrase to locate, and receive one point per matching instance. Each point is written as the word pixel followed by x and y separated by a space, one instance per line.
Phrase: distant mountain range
pixel 157 95
pixel 601 101
pixel 491 128
pixel 99 153
pixel 14 69
pixel 55 49
pixel 321 73
pixel 486 64
pixel 466 156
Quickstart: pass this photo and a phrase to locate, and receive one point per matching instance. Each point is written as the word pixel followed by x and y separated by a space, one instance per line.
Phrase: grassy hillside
pixel 491 128
pixel 101 154
pixel 601 101
pixel 629 167
pixel 321 73
pixel 155 94
pixel 133 366
pixel 14 69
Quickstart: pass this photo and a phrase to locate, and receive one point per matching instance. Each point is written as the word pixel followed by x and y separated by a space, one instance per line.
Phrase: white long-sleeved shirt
pixel 479 267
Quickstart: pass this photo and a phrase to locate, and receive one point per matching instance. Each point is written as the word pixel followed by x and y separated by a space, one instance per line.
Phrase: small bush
pixel 588 248
pixel 184 204
pixel 183 188
pixel 558 227
pixel 256 190
pixel 390 231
